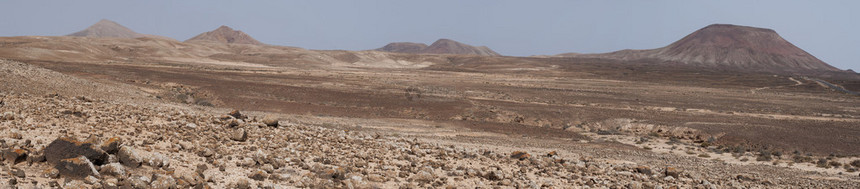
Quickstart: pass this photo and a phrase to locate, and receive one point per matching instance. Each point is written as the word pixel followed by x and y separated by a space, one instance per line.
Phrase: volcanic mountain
pixel 107 28
pixel 226 34
pixel 403 47
pixel 730 46
pixel 441 46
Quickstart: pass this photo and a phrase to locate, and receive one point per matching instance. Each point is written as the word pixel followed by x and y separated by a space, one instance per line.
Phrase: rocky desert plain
pixel 724 107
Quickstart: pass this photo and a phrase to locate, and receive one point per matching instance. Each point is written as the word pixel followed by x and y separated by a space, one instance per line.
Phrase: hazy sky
pixel 830 30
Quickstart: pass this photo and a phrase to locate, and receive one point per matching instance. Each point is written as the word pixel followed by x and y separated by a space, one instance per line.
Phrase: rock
pixel 494 175
pixel 51 173
pixel 156 160
pixel 644 170
pixel 65 148
pixel 37 157
pixel 15 156
pixel 112 145
pixel 671 171
pixel 129 157
pixel 160 181
pixel 7 116
pixel 137 182
pixel 270 121
pixel 113 169
pixel 190 126
pixel 551 154
pixel 18 173
pixel 236 114
pixel 76 168
pixel 13 181
pixel 233 123
pixel 258 175
pixel 423 177
pixel 239 135
pixel 91 180
pixel 746 178
pixel 75 184
pixel 520 155
pixel 242 184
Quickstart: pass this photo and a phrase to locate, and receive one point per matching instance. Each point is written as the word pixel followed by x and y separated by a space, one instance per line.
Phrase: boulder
pixel 76 168
pixel 129 157
pixel 239 135
pixel 113 169
pixel 65 148
pixel 270 121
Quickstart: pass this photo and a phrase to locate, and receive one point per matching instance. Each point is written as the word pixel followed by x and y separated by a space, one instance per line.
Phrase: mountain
pixel 403 47
pixel 226 34
pixel 107 28
pixel 730 46
pixel 447 46
pixel 441 46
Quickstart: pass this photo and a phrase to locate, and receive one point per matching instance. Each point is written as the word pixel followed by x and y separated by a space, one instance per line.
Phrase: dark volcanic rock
pixel 112 145
pixel 14 156
pixel 65 147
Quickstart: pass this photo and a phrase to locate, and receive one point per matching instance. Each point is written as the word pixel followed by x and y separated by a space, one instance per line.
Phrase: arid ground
pixel 721 127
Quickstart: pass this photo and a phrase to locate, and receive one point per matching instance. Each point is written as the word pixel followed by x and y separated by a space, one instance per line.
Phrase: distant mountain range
pixel 714 46
pixel 441 46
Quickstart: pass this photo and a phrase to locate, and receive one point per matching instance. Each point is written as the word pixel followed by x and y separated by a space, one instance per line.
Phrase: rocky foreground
pixel 56 141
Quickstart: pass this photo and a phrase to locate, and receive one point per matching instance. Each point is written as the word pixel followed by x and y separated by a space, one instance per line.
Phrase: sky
pixel 829 30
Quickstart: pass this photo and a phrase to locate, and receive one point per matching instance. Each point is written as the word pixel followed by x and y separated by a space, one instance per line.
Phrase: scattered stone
pixel 91 180
pixel 160 181
pixel 233 123
pixel 644 170
pixel 494 175
pixel 520 155
pixel 137 182
pixel 65 148
pixel 236 114
pixel 258 175
pixel 270 121
pixel 747 178
pixel 129 157
pixel 423 177
pixel 112 169
pixel 15 156
pixel 77 168
pixel 551 154
pixel 13 181
pixel 18 173
pixel 36 157
pixel 239 135
pixel 671 171
pixel 242 184
pixel 51 173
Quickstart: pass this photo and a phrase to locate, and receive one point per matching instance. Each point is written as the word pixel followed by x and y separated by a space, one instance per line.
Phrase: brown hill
pixel 403 47
pixel 107 28
pixel 226 34
pixel 447 46
pixel 731 46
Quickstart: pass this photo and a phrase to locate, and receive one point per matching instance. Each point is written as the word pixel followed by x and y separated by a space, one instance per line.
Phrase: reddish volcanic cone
pixel 732 47
pixel 226 34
